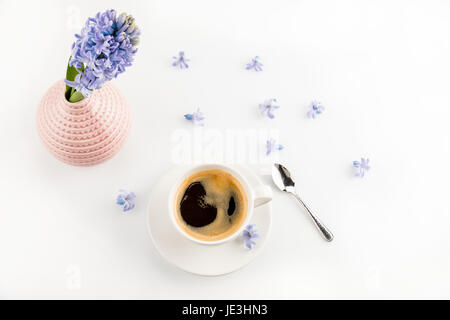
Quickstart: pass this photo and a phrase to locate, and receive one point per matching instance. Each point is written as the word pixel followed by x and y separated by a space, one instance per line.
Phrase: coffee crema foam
pixel 210 205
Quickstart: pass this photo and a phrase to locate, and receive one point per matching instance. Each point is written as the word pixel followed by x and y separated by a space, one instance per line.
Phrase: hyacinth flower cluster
pixel 105 48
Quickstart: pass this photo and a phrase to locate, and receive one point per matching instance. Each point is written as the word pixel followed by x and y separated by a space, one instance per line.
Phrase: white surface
pixel 201 259
pixel 380 68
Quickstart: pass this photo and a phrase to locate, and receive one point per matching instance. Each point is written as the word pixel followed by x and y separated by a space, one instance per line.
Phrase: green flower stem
pixel 76 96
pixel 71 94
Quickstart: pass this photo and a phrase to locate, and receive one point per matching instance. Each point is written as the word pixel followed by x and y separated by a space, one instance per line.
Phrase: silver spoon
pixel 282 179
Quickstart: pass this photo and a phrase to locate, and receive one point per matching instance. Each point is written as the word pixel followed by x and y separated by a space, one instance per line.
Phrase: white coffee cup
pixel 256 196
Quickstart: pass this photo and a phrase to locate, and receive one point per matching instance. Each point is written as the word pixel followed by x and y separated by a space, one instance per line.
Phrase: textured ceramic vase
pixel 84 133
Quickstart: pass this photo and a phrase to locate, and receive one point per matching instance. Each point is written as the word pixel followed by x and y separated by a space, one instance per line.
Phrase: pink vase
pixel 84 133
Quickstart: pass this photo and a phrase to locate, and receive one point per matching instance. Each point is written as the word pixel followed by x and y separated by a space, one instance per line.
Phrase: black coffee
pixel 211 205
pixel 193 207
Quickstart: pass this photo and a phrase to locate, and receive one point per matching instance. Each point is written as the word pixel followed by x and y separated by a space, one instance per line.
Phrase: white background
pixel 382 70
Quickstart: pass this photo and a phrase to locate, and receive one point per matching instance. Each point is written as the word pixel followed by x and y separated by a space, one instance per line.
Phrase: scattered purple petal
pixel 126 199
pixel 271 146
pixel 316 108
pixel 197 117
pixel 255 65
pixel 180 61
pixel 362 167
pixel 249 234
pixel 266 109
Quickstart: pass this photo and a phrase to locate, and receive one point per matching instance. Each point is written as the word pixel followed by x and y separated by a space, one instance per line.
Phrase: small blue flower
pixel 255 64
pixel 271 145
pixel 197 117
pixel 249 234
pixel 316 108
pixel 126 199
pixel 180 61
pixel 362 167
pixel 266 109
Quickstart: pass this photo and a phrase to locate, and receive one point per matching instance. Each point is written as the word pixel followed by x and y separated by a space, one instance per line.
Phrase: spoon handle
pixel 322 228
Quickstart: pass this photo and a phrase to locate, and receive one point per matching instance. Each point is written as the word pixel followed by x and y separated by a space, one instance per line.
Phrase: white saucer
pixel 200 259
